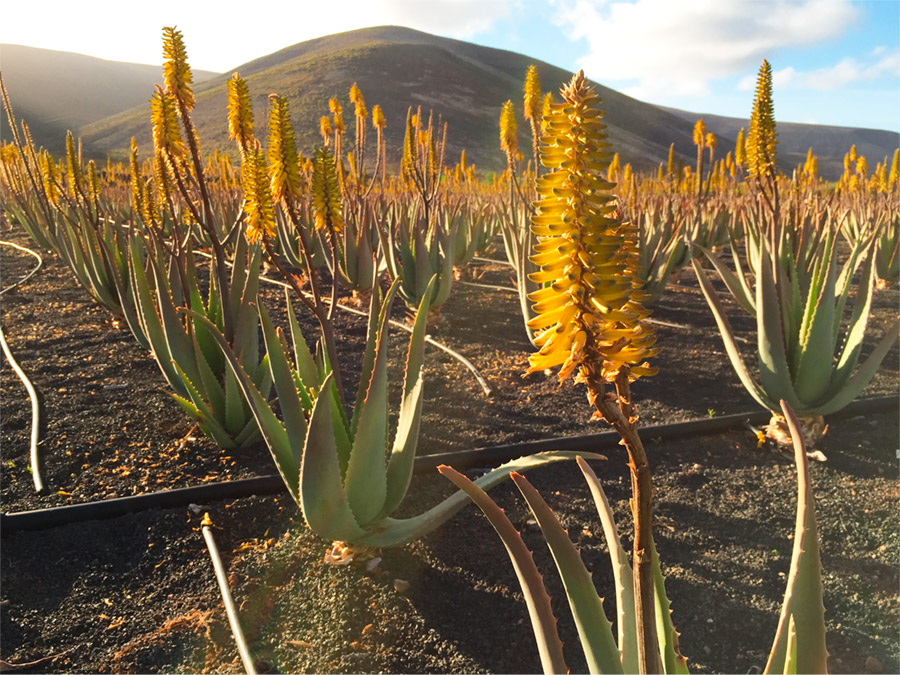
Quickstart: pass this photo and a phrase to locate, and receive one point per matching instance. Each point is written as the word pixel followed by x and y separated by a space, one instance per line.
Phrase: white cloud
pixel 676 48
pixel 846 71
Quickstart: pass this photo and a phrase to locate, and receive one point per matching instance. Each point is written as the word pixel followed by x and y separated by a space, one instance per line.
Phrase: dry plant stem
pixel 618 411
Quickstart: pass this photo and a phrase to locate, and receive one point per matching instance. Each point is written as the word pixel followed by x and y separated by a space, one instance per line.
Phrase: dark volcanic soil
pixel 137 593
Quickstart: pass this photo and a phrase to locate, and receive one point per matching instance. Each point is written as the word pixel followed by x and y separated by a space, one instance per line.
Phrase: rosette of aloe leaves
pixel 792 281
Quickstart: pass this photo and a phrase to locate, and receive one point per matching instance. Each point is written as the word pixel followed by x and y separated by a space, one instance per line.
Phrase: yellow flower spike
pixel 590 313
pixel 356 98
pixel 259 207
pixel 73 167
pixel 338 113
pixel 176 71
pixel 284 163
pixel 762 139
pixel 532 93
pixel 327 206
pixel 240 113
pixel 699 133
pixel 164 120
pixel 508 140
pixel 378 120
pixel 49 177
pixel 93 181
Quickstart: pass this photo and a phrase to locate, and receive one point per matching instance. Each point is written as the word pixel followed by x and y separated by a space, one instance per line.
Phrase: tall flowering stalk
pixel 589 316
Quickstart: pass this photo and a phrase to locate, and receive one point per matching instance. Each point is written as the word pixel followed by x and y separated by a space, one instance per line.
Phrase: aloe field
pixel 370 408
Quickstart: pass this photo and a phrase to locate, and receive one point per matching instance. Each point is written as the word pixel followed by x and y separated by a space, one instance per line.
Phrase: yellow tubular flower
pixel 49 177
pixel 699 133
pixel 326 193
pixel 240 113
pixel 137 192
pixel 508 141
pixel 73 166
pixel 164 119
pixel 546 102
pixel 589 315
pixel 359 103
pixel 894 175
pixel 740 149
pixel 532 94
pixel 335 107
pixel 410 149
pixel 378 120
pixel 284 164
pixel 93 181
pixel 258 199
pixel 176 71
pixel 762 139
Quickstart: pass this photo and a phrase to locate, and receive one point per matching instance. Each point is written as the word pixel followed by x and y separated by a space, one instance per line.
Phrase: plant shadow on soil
pixel 137 593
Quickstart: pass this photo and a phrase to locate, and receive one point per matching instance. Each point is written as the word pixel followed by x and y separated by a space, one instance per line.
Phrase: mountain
pixel 398 67
pixel 56 91
pixel 828 143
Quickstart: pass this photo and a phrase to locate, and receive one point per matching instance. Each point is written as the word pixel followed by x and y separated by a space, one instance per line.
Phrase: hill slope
pixel 55 91
pixel 397 68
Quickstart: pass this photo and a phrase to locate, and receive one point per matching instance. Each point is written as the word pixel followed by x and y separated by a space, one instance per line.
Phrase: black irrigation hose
pixel 29 387
pixel 230 609
pixel 462 460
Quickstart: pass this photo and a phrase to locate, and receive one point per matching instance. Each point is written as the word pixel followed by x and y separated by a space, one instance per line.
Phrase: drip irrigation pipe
pixel 29 387
pixel 462 461
pixel 230 609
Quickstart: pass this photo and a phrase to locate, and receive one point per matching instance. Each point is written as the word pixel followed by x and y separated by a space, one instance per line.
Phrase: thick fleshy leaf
pixel 379 309
pixel 365 482
pixel 736 284
pixel 396 532
pixel 774 371
pixel 623 579
pixel 672 658
pixel 304 363
pixel 803 595
pixel 543 621
pixel 325 505
pixel 594 629
pixel 292 410
pixel 270 426
pixel 731 348
pixel 816 341
pixel 152 325
pixel 862 376
pixel 856 330
pixel 406 438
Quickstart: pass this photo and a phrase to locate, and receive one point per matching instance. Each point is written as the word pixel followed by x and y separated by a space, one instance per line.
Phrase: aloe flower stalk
pixel 589 315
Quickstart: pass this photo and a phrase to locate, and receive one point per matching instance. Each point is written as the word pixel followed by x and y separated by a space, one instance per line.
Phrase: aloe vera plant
pixel 799 642
pixel 342 470
pixel 415 252
pixel 799 300
pixel 184 348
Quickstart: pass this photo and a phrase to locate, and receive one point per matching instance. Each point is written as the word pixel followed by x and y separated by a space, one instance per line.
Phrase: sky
pixel 834 61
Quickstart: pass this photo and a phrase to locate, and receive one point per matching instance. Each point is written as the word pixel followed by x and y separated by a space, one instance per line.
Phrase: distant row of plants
pixel 593 246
